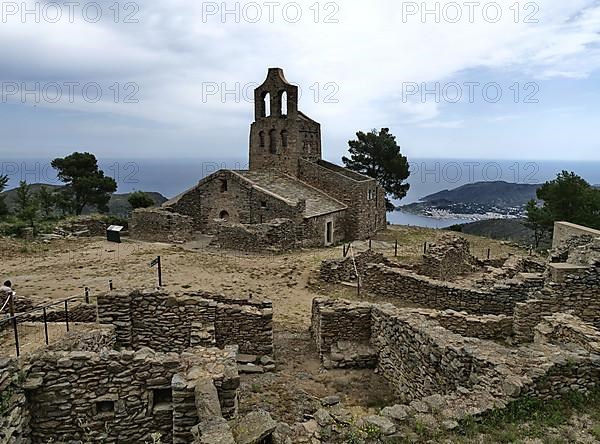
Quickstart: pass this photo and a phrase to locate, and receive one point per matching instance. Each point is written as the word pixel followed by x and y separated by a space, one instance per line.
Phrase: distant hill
pixel 499 197
pixel 511 230
pixel 497 193
pixel 117 205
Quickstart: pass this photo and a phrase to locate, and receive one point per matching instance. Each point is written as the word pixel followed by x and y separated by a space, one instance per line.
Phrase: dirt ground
pixel 63 268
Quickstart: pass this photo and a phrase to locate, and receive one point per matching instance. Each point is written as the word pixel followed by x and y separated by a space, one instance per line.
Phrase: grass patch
pixel 530 418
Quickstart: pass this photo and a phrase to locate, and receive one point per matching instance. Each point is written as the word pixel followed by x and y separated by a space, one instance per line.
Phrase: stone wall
pixel 277 235
pixel 494 327
pixel 343 270
pixel 578 293
pixel 247 323
pixel 338 320
pixel 14 415
pixel 342 332
pixel 313 229
pixel 447 258
pixel 159 225
pixel 91 339
pixel 147 319
pixel 124 396
pixel 365 199
pixel 78 312
pixel 243 203
pixel 563 328
pixel 409 288
pixel 435 369
pixel 565 230
pixel 418 360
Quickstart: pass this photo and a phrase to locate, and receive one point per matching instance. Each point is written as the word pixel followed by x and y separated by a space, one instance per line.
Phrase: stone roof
pixel 293 190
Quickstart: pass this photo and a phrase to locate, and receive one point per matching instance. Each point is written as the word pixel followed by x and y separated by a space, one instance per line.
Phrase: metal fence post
pixel 87 295
pixel 46 325
pixel 14 321
pixel 67 313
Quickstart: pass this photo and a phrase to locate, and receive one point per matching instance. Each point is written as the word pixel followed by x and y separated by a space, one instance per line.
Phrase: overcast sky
pixel 176 77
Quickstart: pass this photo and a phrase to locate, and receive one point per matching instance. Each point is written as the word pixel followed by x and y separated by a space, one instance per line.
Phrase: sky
pixel 174 79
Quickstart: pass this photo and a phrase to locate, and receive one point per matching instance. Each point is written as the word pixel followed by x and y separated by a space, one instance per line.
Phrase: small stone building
pixel 286 179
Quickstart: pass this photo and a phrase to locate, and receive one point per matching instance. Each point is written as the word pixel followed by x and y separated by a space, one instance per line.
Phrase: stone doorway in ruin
pixel 328 232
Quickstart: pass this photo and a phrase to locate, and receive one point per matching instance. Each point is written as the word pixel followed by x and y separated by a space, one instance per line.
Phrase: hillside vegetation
pixel 117 206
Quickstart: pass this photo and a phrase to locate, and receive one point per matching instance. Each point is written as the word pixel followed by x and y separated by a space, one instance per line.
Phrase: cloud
pixel 452 124
pixel 176 49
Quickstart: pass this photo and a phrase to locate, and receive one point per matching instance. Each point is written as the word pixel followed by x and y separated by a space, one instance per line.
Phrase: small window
pixel 371 194
pixel 223 185
pixel 284 139
pixel 266 105
pixel 105 407
pixel 261 137
pixel 263 204
pixel 283 100
pixel 273 141
pixel 162 398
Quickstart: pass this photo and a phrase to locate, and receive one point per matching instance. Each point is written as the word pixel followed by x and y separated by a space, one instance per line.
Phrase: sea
pixel 174 175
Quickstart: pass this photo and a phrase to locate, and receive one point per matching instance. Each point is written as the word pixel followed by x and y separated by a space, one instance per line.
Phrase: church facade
pixel 287 179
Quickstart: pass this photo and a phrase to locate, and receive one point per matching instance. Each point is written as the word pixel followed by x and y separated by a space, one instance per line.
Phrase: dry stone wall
pixel 366 212
pixel 336 271
pixel 436 371
pixel 159 225
pixel 448 258
pixel 495 327
pixel 409 288
pixel 419 360
pixel 563 328
pixel 124 396
pixel 14 415
pixel 277 235
pixel 147 318
pixel 578 293
pixel 78 312
pixel 342 332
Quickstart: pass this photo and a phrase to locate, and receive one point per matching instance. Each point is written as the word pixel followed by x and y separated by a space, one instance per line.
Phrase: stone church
pixel 287 184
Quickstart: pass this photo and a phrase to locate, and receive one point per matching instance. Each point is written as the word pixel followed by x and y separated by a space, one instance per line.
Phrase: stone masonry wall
pixel 495 327
pixel 147 318
pixel 342 270
pixel 123 396
pixel 276 235
pixel 563 328
pixel 447 258
pixel 313 230
pixel 14 415
pixel 579 294
pixel 418 362
pixel 565 230
pixel 431 366
pixel 158 225
pixel 364 216
pixel 244 203
pixel 412 289
pixel 334 321
pixel 78 312
pixel 247 324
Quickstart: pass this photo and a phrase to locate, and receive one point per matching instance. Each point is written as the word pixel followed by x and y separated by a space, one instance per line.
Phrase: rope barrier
pixel 355 269
pixel 7 300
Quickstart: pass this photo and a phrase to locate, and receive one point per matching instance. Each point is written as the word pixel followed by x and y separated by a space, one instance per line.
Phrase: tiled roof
pixel 293 190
